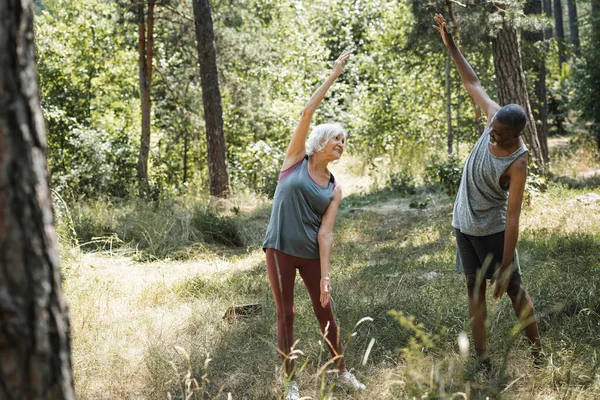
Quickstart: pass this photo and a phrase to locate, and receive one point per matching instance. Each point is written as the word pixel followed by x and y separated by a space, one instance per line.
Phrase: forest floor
pixel 156 330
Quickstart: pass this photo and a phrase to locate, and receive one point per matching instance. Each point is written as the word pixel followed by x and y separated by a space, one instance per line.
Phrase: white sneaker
pixel 293 393
pixel 348 381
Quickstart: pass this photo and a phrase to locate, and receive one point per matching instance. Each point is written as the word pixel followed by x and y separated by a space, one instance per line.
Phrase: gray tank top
pixel 481 203
pixel 298 206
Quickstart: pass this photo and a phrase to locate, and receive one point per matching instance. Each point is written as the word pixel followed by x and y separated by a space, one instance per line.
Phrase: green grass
pixel 146 330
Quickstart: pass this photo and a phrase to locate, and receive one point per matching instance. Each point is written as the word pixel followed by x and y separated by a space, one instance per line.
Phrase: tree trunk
pixel 547 4
pixel 448 104
pixel 211 97
pixel 573 25
pixel 536 62
pixel 185 155
pixel 512 87
pixel 559 32
pixel 145 53
pixel 594 60
pixel 35 343
pixel 595 14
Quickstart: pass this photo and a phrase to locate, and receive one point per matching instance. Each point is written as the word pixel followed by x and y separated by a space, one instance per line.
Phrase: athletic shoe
pixel 348 381
pixel 293 393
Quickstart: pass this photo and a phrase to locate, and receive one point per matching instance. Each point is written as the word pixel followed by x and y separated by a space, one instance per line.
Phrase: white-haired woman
pixel 300 232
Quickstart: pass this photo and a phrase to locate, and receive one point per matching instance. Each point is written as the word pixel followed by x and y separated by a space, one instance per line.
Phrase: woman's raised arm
pixel 296 149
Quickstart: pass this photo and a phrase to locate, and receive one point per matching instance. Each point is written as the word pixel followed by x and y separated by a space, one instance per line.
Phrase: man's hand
pixel 325 291
pixel 501 278
pixel 443 29
pixel 338 65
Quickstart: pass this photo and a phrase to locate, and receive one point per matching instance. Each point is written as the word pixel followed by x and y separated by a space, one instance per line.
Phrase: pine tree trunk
pixel 595 14
pixel 211 97
pixel 559 31
pixel 573 25
pixel 547 5
pixel 512 87
pixel 594 60
pixel 35 343
pixel 145 54
pixel 536 62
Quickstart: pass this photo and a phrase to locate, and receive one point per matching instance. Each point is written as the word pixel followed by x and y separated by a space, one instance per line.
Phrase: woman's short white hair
pixel 320 135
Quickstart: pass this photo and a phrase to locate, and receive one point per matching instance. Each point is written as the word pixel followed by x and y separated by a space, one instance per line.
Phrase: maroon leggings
pixel 281 268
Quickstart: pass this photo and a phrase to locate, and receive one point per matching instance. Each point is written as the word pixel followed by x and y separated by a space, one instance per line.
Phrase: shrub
pixel 217 229
pixel 448 173
pixel 402 181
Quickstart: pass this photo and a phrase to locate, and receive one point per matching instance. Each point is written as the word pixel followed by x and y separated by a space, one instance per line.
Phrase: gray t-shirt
pixel 481 203
pixel 298 207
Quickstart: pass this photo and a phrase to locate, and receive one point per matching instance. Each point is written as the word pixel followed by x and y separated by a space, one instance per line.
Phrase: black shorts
pixel 472 251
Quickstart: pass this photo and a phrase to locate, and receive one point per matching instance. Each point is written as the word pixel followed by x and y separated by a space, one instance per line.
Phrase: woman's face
pixel 335 147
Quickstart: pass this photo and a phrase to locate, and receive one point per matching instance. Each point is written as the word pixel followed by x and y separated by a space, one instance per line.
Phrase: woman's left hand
pixel 325 291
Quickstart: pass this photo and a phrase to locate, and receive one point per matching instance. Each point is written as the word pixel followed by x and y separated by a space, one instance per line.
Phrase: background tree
pixel 559 31
pixel 534 62
pixel 512 87
pixel 145 12
pixel 211 96
pixel 34 336
pixel 588 75
pixel 573 26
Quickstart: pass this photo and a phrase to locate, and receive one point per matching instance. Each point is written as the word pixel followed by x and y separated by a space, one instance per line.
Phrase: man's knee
pixel 474 285
pixel 515 287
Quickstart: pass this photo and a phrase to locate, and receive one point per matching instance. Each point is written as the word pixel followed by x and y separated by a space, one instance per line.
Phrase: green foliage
pixel 257 168
pixel 271 58
pixel 87 84
pixel 587 90
pixel 448 173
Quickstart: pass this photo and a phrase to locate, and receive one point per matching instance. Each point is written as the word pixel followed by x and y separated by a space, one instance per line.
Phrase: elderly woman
pixel 300 232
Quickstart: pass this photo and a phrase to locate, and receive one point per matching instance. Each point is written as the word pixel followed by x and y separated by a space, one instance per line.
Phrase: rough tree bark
pixel 573 25
pixel 35 346
pixel 537 63
pixel 211 97
pixel 145 54
pixel 512 87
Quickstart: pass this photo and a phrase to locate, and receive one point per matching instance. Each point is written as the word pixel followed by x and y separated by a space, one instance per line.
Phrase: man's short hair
pixel 512 115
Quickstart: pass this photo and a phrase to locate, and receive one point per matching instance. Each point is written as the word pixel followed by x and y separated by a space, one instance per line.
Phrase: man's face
pixel 501 134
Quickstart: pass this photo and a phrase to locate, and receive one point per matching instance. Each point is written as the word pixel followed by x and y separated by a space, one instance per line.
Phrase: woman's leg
pixel 310 271
pixel 282 274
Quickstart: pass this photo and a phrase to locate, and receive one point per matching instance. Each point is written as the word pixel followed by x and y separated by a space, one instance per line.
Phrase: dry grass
pixel 142 330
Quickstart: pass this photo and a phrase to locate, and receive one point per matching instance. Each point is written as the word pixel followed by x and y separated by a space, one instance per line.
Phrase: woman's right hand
pixel 325 291
pixel 443 29
pixel 338 65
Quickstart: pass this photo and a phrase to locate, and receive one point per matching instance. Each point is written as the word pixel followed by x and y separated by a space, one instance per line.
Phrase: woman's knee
pixel 286 313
